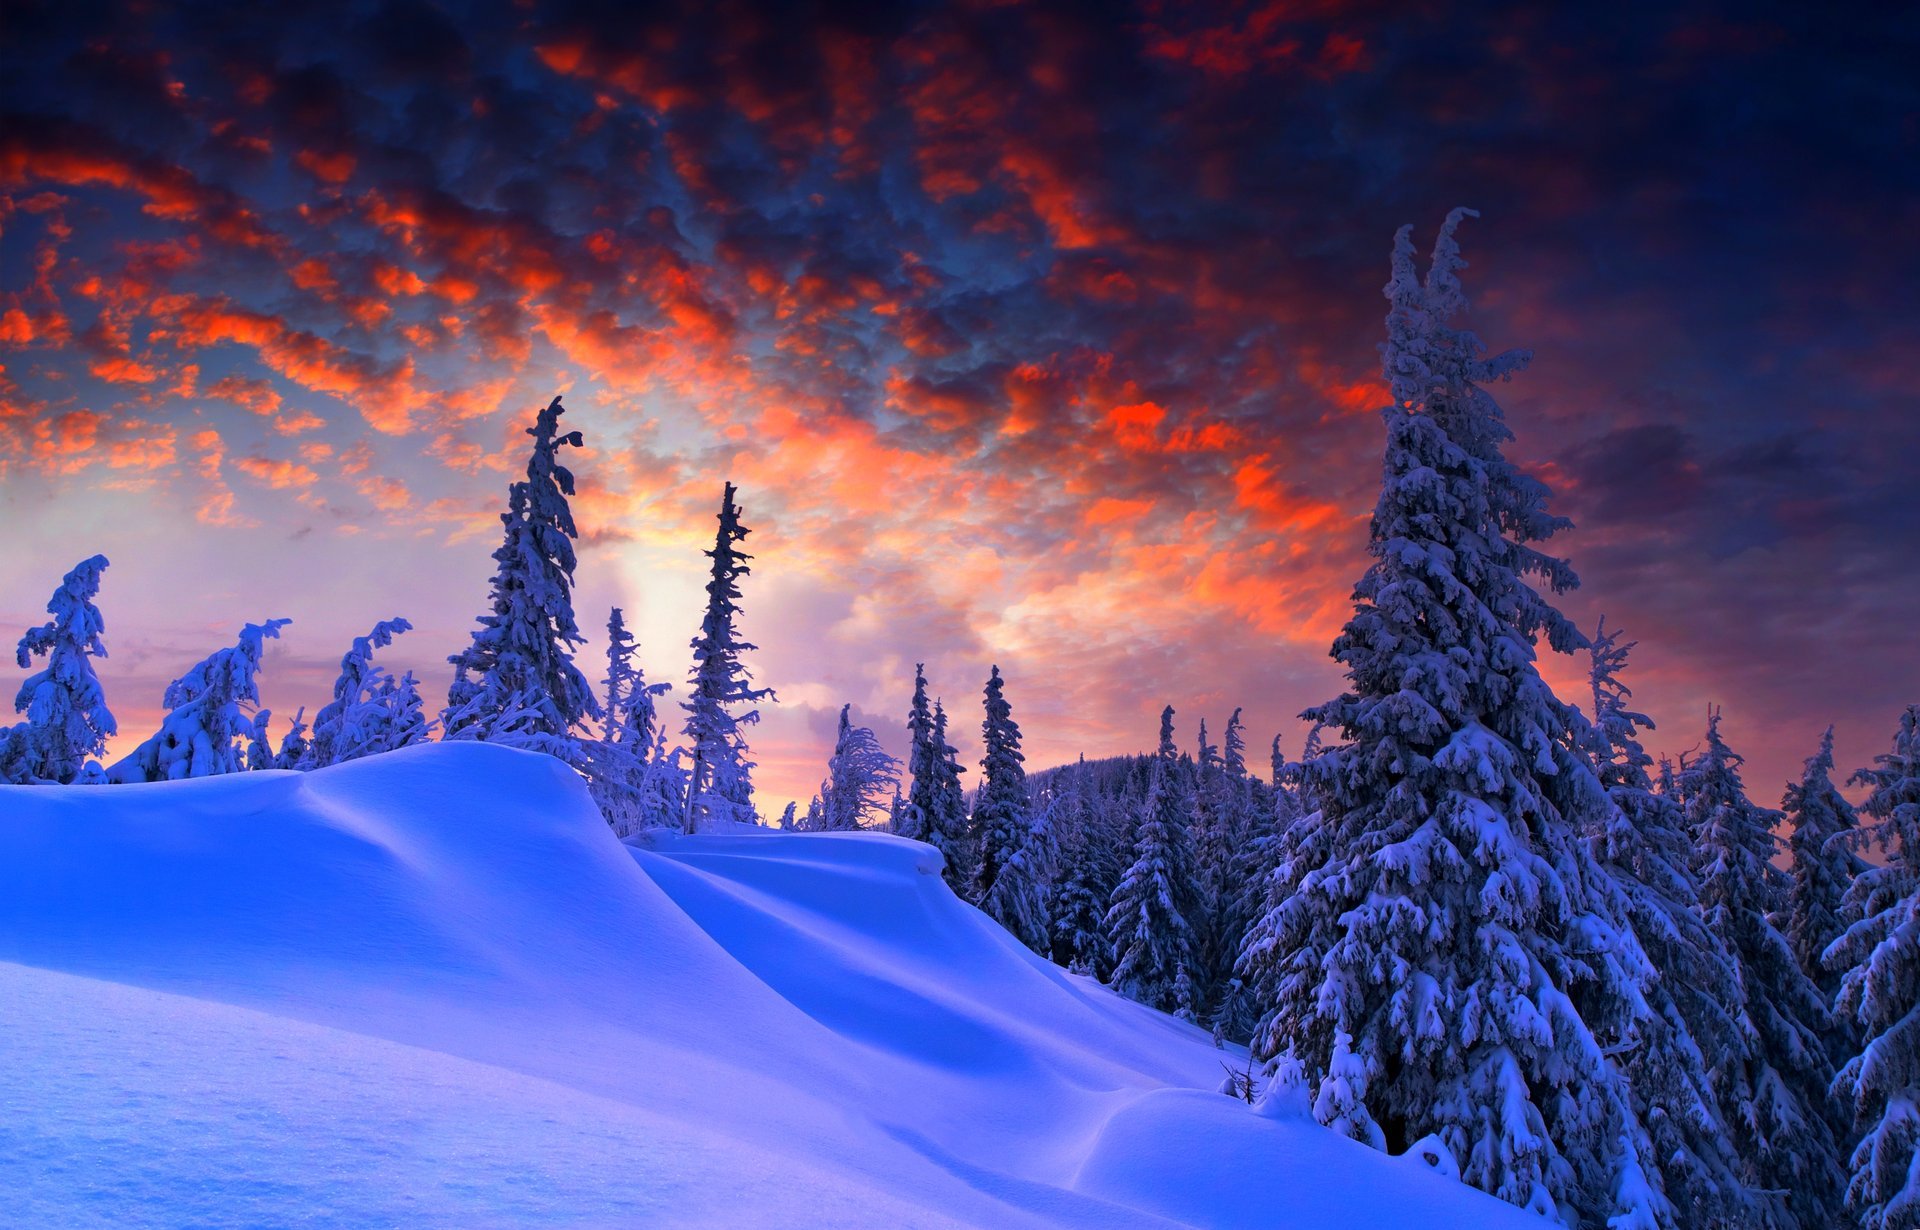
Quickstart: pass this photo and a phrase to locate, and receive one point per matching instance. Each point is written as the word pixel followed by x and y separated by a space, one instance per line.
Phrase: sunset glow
pixel 1034 335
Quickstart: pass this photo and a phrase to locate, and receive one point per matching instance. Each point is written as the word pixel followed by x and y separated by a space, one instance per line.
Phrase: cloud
pixel 1042 333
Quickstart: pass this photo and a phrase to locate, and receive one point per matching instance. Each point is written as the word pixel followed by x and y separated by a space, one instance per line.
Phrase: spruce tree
pixel 1002 812
pixel 663 787
pixel 947 821
pixel 935 810
pixel 370 712
pixel 1147 924
pixel 1019 898
pixel 1166 748
pixel 620 764
pixel 629 716
pixel 1823 865
pixel 259 753
pixel 1773 1097
pixel 1224 807
pixel 922 770
pixel 294 744
pixel 1880 994
pixel 516 682
pixel 1089 873
pixel 208 724
pixel 1234 748
pixel 68 723
pixel 1434 922
pixel 1694 1019
pixel 860 775
pixel 720 782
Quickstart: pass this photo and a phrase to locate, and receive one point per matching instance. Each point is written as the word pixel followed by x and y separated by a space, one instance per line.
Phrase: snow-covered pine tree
pixel 1694 1019
pixel 516 682
pixel 619 764
pixel 404 712
pixel 1432 921
pixel 922 770
pixel 1019 898
pixel 1233 756
pixel 947 823
pixel 720 782
pixel 1224 812
pixel 1277 763
pixel 1774 1096
pixel 1270 813
pixel 68 723
pixel 369 713
pixel 860 775
pixel 1088 875
pixel 1002 814
pixel 1147 923
pixel 1208 755
pixel 1880 993
pixel 294 744
pixel 663 786
pixel 1823 865
pixel 207 725
pixel 259 747
pixel 629 715
pixel 1166 748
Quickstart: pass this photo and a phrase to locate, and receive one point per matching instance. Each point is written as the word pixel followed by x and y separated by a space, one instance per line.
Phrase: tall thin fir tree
pixel 1088 875
pixel 922 771
pixel 1166 749
pixel 516 682
pixel 209 720
pixel 629 715
pixel 1014 839
pixel 948 819
pixel 1002 814
pixel 1823 866
pixel 1774 1096
pixel 1223 810
pixel 720 781
pixel 1233 754
pixel 1148 921
pixel 68 723
pixel 1694 1020
pixel 1426 943
pixel 620 764
pixel 1880 993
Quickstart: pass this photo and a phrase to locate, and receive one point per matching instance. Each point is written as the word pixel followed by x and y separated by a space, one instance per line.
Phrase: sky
pixel 1042 335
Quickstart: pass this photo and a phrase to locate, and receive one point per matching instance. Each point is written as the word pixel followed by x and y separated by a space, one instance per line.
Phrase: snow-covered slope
pixel 430 989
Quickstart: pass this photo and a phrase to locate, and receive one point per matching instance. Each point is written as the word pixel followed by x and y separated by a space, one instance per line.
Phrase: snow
pixel 430 988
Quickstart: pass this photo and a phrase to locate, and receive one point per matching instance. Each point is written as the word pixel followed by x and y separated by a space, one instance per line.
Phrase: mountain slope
pixel 430 988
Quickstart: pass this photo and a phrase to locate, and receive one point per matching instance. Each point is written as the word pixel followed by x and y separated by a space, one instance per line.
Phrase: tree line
pixel 1469 911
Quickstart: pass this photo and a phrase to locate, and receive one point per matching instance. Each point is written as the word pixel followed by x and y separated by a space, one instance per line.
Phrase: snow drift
pixel 430 988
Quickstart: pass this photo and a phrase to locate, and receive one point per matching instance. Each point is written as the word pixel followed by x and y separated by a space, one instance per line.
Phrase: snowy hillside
pixel 430 988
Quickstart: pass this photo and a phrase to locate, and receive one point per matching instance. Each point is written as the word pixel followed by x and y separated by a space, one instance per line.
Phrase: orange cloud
pixel 276 473
pixel 385 395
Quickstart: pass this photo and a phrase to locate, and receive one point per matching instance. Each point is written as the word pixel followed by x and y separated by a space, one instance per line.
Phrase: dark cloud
pixel 1071 306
